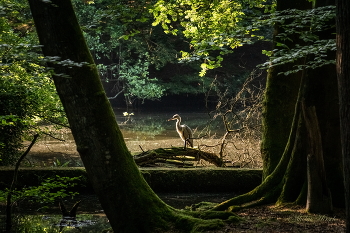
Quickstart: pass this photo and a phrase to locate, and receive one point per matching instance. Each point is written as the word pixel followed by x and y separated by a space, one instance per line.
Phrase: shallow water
pixel 141 131
pixel 154 126
pixel 52 223
pixel 150 130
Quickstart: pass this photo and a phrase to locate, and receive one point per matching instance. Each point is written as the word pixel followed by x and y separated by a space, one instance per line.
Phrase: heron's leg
pixel 185 144
pixel 189 142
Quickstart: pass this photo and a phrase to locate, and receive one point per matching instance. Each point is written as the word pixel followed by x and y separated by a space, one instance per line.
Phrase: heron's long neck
pixel 178 122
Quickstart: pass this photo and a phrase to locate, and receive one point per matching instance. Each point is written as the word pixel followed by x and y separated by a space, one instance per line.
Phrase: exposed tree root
pixel 263 194
pixel 200 221
pixel 188 221
pixel 272 186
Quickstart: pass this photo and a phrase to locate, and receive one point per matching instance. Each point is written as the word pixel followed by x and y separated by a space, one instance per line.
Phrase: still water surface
pixel 142 131
pixel 88 223
pixel 154 126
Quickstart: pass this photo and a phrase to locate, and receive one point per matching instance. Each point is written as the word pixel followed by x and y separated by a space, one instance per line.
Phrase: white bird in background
pixel 184 131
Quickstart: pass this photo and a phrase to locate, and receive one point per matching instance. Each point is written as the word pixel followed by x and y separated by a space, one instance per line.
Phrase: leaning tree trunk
pixel 343 72
pixel 128 201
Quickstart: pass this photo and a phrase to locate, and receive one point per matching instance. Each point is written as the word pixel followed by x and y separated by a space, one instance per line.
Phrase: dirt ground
pixel 273 219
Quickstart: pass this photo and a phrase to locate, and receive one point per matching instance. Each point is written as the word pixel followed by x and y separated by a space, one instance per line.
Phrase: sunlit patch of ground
pixel 287 219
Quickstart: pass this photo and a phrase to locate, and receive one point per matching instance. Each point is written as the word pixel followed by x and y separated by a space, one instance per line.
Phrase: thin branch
pixel 50 135
pixel 116 95
pixel 57 123
pixel 13 184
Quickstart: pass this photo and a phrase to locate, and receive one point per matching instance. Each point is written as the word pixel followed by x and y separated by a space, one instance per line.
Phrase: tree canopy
pixel 210 26
pixel 130 51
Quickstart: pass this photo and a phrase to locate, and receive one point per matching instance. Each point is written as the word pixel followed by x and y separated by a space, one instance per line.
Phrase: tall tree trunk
pixel 323 94
pixel 279 100
pixel 343 72
pixel 128 201
pixel 284 144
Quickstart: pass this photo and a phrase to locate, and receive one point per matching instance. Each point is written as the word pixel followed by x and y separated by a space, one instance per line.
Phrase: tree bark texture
pixel 128 201
pixel 318 196
pixel 323 94
pixel 279 101
pixel 343 73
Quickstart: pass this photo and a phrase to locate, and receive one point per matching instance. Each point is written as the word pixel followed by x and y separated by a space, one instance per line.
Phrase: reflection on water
pixel 146 131
pixel 98 222
pixel 151 126
pixel 51 224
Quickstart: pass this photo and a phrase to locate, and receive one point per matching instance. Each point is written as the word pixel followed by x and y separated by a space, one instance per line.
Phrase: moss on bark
pixel 278 107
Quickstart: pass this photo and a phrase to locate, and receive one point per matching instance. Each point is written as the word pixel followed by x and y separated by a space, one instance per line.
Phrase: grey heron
pixel 184 131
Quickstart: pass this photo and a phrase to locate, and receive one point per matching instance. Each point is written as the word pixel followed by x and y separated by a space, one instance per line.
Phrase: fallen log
pixel 176 155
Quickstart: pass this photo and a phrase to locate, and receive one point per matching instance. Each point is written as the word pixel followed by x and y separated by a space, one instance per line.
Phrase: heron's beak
pixel 171 119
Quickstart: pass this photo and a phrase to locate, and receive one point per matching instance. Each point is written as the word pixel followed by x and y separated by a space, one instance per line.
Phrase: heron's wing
pixel 187 131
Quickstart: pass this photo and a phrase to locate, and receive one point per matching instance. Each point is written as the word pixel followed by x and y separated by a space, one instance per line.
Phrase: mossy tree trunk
pixel 279 100
pixel 343 72
pixel 128 201
pixel 285 143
